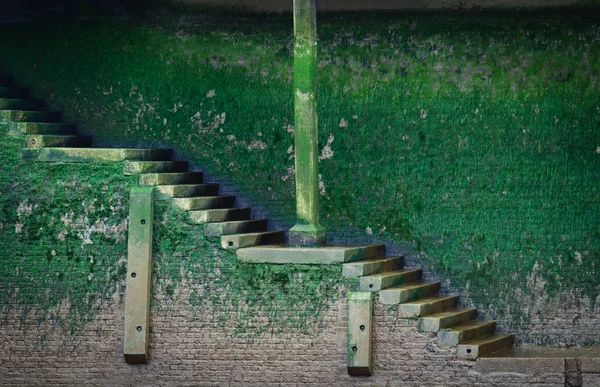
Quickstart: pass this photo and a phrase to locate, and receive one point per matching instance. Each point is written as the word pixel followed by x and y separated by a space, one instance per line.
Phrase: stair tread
pixel 450 312
pixel 391 273
pixel 240 221
pixel 431 299
pixel 373 260
pixel 88 154
pixel 412 285
pixel 473 324
pixel 487 339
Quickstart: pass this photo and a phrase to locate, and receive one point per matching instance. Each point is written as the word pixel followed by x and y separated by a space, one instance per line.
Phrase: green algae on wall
pixel 63 231
pixel 475 137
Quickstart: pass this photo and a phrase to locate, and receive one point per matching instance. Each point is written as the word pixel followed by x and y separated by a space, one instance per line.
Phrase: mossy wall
pixel 474 138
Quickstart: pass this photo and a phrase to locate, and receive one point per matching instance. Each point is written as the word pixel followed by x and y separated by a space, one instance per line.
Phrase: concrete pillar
pixel 307 232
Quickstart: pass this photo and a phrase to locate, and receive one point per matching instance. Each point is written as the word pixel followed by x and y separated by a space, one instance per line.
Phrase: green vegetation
pixel 476 137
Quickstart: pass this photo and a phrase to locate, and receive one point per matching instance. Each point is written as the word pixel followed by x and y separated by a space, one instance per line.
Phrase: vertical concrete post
pixel 307 232
pixel 139 263
pixel 360 332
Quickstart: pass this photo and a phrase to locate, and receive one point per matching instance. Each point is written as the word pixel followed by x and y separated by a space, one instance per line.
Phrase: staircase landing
pixel 328 255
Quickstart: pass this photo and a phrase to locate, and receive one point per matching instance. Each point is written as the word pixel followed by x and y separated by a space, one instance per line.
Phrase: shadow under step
pixel 235 227
pixel 29 116
pixel 446 319
pixel 14 92
pixel 188 190
pixel 171 178
pixel 137 167
pixel 6 80
pixel 21 104
pixel 237 241
pixel 372 266
pixel 376 282
pixel 41 128
pixel 101 155
pixel 51 140
pixel 221 215
pixel 473 349
pixel 465 332
pixel 204 202
pixel 427 306
pixel 408 292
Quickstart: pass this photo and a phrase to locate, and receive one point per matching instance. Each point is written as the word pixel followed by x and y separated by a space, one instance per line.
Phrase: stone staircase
pixel 47 139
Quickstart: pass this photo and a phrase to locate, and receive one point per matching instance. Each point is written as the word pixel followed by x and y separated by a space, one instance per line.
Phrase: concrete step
pixel 223 215
pixel 50 140
pixel 473 349
pixel 189 190
pixel 371 266
pixel 327 255
pixel 427 306
pixel 447 319
pixel 465 332
pixel 42 128
pixel 204 202
pixel 29 116
pixel 21 104
pixel 14 92
pixel 101 155
pixel 6 80
pixel 137 167
pixel 408 292
pixel 170 178
pixel 236 241
pixel 235 227
pixel 376 282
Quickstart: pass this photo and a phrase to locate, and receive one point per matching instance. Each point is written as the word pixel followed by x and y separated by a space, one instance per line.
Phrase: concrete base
pixel 307 235
pixel 329 255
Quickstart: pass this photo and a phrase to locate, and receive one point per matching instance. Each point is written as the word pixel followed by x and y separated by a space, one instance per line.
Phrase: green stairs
pixel 438 313
pixel 47 139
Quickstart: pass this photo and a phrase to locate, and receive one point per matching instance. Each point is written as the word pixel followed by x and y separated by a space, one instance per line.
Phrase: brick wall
pixel 188 347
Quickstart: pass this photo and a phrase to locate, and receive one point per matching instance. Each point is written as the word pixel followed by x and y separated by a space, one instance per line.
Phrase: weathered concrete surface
pixel 360 332
pixel 139 264
pixel 85 155
pixel 307 232
pixel 328 255
pixel 372 266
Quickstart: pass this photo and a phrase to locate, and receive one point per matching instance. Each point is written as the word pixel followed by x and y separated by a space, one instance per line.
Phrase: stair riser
pixel 451 339
pixel 171 178
pixel 36 141
pixel 36 128
pixel 27 116
pixel 234 242
pixel 20 104
pixel 368 284
pixel 14 92
pixel 218 229
pixel 362 268
pixel 472 352
pixel 392 297
pixel 201 217
pixel 429 324
pixel 185 191
pixel 204 203
pixel 137 167
pixel 412 310
pixel 374 251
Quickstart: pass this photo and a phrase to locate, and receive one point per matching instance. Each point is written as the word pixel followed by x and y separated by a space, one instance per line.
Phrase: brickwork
pixel 188 347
